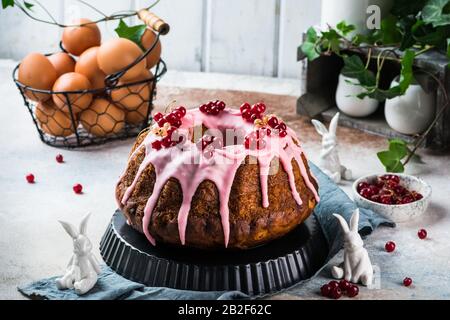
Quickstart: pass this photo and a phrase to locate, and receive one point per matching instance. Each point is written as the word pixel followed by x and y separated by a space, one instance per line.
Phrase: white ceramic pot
pixel 352 11
pixel 411 113
pixel 348 102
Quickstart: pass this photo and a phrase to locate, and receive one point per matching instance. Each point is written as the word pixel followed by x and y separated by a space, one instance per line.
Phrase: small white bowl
pixel 397 212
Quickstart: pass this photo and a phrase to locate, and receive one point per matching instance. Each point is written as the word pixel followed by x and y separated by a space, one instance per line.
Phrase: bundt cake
pixel 211 178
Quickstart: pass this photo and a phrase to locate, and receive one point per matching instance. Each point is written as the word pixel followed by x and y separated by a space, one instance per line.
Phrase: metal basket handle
pixel 154 22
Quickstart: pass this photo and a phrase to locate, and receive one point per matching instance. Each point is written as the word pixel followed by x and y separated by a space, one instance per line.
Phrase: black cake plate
pixel 262 270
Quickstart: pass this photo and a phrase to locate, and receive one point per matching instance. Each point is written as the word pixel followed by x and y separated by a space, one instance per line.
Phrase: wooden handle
pixel 153 21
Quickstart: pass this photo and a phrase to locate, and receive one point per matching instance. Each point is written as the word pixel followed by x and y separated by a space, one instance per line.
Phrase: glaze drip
pixel 190 167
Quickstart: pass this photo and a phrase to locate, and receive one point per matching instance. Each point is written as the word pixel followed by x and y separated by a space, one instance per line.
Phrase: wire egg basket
pixel 116 112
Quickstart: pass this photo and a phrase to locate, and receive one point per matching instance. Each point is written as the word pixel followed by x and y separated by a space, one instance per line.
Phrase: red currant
pixel 245 107
pixel 214 110
pixel 352 290
pixel 366 193
pixel 282 126
pixel 261 107
pixel 156 145
pixel 182 110
pixel 283 133
pixel 416 195
pixel 389 246
pixel 78 188
pixel 344 285
pixel 406 199
pixel 362 185
pixel 407 282
pixel 422 234
pixel 158 116
pixel 336 293
pixel 325 290
pixel 399 190
pixel 221 105
pixel 59 158
pixel 272 122
pixel 246 115
pixel 30 178
pixel 161 122
pixel 166 142
pixel 386 199
pixel 375 198
pixel 333 284
pixel 203 108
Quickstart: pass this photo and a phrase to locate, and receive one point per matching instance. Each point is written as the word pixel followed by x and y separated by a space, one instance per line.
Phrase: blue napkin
pixel 111 286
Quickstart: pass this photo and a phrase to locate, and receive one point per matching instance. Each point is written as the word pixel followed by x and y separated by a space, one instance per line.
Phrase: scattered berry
pixel 336 293
pixel 389 246
pixel 59 158
pixel 407 282
pixel 325 290
pixel 30 178
pixel 333 284
pixel 352 290
pixel 78 188
pixel 422 234
pixel 344 285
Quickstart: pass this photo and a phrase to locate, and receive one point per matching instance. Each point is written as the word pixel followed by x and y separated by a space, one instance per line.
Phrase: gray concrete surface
pixel 33 245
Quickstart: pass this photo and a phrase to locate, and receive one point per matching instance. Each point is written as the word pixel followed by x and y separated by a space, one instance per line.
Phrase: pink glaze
pixel 188 165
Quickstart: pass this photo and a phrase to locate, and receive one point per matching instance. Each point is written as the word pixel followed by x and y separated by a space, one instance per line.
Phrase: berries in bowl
pixel 398 197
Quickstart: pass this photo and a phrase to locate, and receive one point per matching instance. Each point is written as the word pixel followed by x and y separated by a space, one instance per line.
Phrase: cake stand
pixel 262 270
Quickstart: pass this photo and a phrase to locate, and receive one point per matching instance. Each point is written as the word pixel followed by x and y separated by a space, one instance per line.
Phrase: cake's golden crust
pixel 250 223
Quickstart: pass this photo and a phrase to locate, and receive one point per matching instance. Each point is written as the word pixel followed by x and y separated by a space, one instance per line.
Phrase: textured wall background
pixel 255 37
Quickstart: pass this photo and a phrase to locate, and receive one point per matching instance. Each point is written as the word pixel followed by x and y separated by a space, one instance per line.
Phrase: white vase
pixel 348 102
pixel 352 12
pixel 411 113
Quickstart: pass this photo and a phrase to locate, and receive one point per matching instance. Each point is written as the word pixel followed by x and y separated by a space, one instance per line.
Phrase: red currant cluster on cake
pixel 387 189
pixel 335 290
pixel 213 107
pixel 265 125
pixel 166 126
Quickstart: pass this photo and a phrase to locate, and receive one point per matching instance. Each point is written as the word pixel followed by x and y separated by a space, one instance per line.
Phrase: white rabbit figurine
pixel 83 268
pixel 329 157
pixel 356 266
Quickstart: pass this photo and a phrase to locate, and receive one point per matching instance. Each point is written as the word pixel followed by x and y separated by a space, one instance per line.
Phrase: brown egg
pixel 116 54
pixel 103 118
pixel 87 65
pixel 80 38
pixel 53 121
pixel 138 116
pixel 147 40
pixel 62 62
pixel 72 81
pixel 37 72
pixel 134 96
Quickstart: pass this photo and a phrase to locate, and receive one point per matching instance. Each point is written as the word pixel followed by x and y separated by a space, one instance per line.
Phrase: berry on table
pixel 325 290
pixel 336 293
pixel 344 284
pixel 78 188
pixel 30 178
pixel 389 246
pixel 59 158
pixel 333 284
pixel 422 234
pixel 352 290
pixel 407 282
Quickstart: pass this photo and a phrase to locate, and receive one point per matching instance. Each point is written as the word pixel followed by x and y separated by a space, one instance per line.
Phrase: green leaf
pixel 7 3
pixel 433 12
pixel 311 35
pixel 309 46
pixel 398 148
pixel 331 40
pixel 133 33
pixel 345 28
pixel 355 68
pixel 389 32
pixel 390 162
pixel 309 49
pixel 28 5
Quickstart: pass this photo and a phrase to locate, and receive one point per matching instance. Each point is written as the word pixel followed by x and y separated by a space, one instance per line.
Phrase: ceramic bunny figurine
pixel 329 157
pixel 83 268
pixel 356 266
